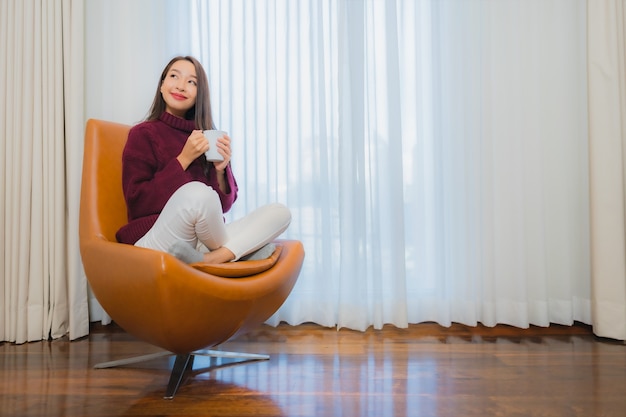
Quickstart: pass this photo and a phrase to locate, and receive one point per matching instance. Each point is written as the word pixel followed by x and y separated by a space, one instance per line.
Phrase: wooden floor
pixel 425 370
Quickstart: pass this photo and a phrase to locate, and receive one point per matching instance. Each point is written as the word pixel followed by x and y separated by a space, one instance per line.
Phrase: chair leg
pixel 183 364
pixel 130 361
pixel 232 355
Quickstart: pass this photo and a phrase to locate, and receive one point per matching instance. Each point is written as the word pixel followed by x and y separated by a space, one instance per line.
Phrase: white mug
pixel 212 155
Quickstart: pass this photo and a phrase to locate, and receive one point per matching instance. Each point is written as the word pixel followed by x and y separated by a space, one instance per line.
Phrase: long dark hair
pixel 201 111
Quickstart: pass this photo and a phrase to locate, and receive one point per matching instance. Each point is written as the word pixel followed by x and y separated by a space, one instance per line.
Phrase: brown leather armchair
pixel 151 294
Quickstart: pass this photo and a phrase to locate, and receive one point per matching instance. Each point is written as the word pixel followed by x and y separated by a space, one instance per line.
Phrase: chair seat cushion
pixel 239 269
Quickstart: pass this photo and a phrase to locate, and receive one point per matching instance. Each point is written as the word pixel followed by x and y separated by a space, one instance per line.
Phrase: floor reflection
pixel 209 397
pixel 337 385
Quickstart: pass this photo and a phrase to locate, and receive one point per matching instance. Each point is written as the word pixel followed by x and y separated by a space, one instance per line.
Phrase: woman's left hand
pixel 223 148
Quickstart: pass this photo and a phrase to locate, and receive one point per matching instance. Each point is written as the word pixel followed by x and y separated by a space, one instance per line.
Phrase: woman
pixel 175 197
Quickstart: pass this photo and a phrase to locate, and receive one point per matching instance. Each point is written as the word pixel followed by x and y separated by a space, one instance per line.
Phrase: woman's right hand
pixel 196 145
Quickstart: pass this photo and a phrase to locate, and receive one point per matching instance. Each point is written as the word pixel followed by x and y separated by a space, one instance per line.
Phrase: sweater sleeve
pixel 226 198
pixel 148 183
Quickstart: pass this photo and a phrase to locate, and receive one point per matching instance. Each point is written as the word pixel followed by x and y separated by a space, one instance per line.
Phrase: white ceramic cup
pixel 212 136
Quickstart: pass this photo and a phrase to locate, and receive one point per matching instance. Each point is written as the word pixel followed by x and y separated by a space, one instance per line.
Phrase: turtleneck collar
pixel 177 122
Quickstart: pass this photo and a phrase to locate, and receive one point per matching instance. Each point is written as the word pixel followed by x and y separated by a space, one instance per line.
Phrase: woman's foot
pixel 188 254
pixel 218 256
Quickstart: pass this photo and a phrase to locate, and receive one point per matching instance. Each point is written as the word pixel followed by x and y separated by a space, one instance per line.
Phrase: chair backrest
pixel 102 205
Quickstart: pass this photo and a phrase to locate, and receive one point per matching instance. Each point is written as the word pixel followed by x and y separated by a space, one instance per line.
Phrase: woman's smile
pixel 178 96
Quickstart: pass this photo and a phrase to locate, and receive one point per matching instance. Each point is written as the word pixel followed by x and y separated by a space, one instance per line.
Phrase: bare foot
pixel 218 256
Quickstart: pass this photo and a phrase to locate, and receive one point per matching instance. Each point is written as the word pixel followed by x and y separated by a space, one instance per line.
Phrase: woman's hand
pixel 195 146
pixel 223 148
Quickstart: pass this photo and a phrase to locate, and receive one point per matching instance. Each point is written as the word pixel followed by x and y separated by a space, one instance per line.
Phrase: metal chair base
pixel 183 364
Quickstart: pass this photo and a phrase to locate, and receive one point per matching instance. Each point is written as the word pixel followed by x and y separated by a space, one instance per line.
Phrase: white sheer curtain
pixel 434 153
pixel 41 119
pixel 607 131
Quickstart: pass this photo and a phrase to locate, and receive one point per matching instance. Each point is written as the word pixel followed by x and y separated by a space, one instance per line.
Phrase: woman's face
pixel 179 88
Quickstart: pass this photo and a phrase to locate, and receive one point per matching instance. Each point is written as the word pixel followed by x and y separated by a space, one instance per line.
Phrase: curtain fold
pixel 73 15
pixel 607 142
pixel 40 72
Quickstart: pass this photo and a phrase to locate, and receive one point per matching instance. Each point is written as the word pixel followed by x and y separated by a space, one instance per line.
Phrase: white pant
pixel 194 214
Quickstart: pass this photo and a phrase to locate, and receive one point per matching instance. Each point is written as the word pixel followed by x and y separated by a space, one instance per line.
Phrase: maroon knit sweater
pixel 151 173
